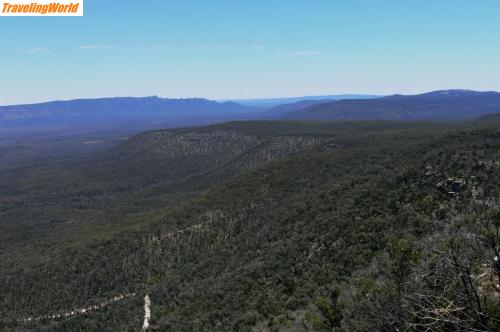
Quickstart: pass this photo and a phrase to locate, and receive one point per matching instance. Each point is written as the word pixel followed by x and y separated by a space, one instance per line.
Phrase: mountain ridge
pixel 273 102
pixel 129 106
pixel 435 105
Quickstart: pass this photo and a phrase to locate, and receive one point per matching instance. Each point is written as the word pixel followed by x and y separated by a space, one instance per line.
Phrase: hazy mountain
pixel 436 105
pixel 121 110
pixel 280 110
pixel 272 102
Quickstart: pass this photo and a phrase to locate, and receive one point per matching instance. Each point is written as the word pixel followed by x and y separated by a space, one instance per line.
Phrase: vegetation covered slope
pixel 99 194
pixel 376 226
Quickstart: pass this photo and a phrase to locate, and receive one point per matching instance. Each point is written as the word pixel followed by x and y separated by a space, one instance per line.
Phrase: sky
pixel 236 49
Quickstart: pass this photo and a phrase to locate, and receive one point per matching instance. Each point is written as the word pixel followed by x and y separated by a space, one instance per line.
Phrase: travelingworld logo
pixel 41 8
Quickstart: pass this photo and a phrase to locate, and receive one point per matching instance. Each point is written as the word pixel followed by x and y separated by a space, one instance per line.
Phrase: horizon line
pixel 375 95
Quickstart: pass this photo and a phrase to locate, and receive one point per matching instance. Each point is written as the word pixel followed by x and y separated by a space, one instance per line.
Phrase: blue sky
pixel 243 49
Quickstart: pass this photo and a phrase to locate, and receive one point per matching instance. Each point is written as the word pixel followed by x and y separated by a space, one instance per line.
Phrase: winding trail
pixel 80 311
pixel 147 313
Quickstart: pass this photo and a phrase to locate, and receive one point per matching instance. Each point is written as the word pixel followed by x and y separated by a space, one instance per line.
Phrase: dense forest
pixel 257 226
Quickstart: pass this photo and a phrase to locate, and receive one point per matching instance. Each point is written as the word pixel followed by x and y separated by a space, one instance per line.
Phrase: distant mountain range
pixel 138 114
pixel 436 105
pixel 120 108
pixel 120 114
pixel 273 102
pixel 281 110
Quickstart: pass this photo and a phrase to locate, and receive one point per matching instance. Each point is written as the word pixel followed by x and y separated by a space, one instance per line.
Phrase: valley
pixel 274 225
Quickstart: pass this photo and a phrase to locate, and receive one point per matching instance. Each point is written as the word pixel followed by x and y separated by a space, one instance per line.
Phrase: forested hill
pixel 437 105
pixel 315 226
